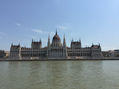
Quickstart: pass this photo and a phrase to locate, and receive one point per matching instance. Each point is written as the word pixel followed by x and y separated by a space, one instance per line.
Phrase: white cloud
pixel 61 27
pixel 37 31
pixel 18 24
pixel 52 33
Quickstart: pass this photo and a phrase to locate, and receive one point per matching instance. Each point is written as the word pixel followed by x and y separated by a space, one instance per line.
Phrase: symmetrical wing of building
pixel 54 49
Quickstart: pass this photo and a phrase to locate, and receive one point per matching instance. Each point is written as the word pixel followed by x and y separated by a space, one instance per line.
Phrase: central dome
pixel 56 37
pixel 56 42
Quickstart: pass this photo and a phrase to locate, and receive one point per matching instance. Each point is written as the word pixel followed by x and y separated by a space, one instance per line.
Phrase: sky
pixel 92 21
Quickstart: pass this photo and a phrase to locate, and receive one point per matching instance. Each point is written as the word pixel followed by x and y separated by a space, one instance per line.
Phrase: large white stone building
pixel 54 49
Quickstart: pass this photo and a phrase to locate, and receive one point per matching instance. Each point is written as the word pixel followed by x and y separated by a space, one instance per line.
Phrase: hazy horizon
pixel 92 21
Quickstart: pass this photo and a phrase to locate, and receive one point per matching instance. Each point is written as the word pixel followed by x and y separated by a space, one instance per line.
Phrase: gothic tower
pixel 64 42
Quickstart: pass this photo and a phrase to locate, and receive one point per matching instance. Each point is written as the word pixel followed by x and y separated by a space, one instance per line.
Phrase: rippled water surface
pixel 59 75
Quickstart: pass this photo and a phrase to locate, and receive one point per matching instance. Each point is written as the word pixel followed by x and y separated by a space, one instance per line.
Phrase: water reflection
pixel 59 75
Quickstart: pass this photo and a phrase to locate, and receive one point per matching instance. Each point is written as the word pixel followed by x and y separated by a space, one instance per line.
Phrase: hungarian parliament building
pixel 54 49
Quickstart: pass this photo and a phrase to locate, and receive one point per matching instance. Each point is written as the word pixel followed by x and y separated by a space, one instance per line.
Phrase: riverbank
pixel 62 59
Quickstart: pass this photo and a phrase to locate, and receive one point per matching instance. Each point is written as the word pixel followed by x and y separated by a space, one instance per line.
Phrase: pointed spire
pixel 79 39
pixel 12 44
pixel 64 42
pixel 99 44
pixel 32 39
pixel 48 40
pixel 40 40
pixel 56 31
pixel 19 44
pixel 72 40
pixel 49 36
pixel 64 37
pixel 92 44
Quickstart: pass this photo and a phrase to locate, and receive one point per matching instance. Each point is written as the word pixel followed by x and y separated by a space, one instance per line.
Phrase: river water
pixel 59 75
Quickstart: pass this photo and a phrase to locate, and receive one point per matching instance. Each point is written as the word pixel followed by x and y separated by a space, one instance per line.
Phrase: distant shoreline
pixel 63 59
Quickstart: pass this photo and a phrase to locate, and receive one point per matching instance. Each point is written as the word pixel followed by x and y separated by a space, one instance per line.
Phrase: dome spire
pixel 56 31
pixel 56 40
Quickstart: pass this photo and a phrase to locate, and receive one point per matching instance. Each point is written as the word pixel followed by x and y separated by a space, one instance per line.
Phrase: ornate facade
pixel 55 49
